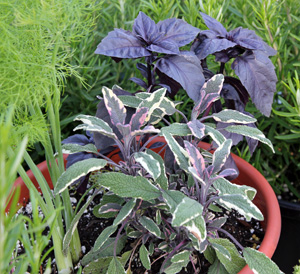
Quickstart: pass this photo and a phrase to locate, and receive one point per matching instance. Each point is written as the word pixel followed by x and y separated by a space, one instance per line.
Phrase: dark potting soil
pixel 248 234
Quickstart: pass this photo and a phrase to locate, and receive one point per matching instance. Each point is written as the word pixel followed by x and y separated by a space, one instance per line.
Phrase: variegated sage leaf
pixel 114 106
pixel 187 210
pixel 221 154
pixel 104 236
pixel 129 186
pixel 226 187
pixel 162 179
pixel 147 129
pixel 138 118
pixel 144 257
pixel 251 132
pixel 241 204
pixel 76 171
pixel 115 266
pixel 177 129
pixel 98 129
pixel 180 154
pixel 75 148
pixel 218 222
pixel 197 227
pixel 259 263
pixel 217 136
pixel 195 157
pixel 130 101
pixel 232 263
pixel 124 212
pixel 150 164
pixel 94 121
pixel 153 101
pixel 233 116
pixel 197 128
pixel 179 261
pixel 150 225
pixel 173 198
pixel 125 130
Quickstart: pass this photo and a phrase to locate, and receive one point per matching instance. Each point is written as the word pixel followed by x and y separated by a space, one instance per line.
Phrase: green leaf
pixel 173 198
pixel 259 263
pixel 129 186
pixel 221 154
pixel 233 116
pixel 217 268
pixel 162 179
pixel 99 266
pixel 180 154
pixel 104 236
pixel 130 101
pixel 210 254
pixel 94 121
pixel 124 212
pixel 144 257
pixel 251 132
pixel 235 262
pixel 150 225
pixel 150 164
pixel 77 170
pixel 75 148
pixel 98 129
pixel 107 199
pixel 179 261
pixel 197 227
pixel 115 267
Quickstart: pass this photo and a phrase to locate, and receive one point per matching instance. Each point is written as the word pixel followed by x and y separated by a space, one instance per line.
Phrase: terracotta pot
pixel 265 198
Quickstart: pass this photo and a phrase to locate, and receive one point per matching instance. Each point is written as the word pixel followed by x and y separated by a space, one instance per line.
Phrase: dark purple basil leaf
pixel 176 30
pixel 169 83
pixel 78 157
pixel 184 69
pixel 206 46
pixel 122 44
pixel 138 118
pixel 164 46
pixel 143 69
pixel 195 157
pixel 257 74
pixel 214 25
pixel 145 28
pixel 78 139
pixel 233 87
pixel 166 87
pixel 139 81
pixel 225 55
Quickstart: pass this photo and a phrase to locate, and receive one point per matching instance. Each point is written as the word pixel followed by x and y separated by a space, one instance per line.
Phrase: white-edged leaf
pixel 95 128
pixel 233 264
pixel 217 136
pixel 115 267
pixel 233 116
pixel 221 154
pixel 173 198
pixel 93 121
pixel 76 171
pixel 195 157
pixel 150 164
pixel 241 204
pixel 179 261
pixel 180 154
pixel 104 236
pixel 162 180
pixel 124 212
pixel 221 249
pixel 138 118
pixel 197 128
pixel 114 106
pixel 187 210
pixel 130 101
pixel 197 227
pixel 75 148
pixel 150 225
pixel 251 132
pixel 226 187
pixel 153 101
pixel 259 263
pixel 129 186
pixel 144 257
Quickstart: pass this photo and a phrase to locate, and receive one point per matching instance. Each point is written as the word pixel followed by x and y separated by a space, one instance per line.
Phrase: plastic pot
pixel 287 253
pixel 265 198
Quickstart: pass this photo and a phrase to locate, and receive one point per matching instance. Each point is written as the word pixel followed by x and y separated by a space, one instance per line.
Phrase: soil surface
pixel 248 234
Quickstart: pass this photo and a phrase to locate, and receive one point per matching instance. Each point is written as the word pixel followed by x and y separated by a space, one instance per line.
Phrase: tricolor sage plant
pixel 160 189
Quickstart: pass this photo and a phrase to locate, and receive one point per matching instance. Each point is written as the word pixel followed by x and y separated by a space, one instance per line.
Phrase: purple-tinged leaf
pixel 78 139
pixel 228 172
pixel 221 154
pixel 205 46
pixel 138 118
pixel 143 69
pixel 214 25
pixel 195 157
pixel 145 130
pixel 166 81
pixel 144 27
pixel 139 81
pixel 257 74
pixel 184 69
pixel 114 106
pixel 177 31
pixel 197 128
pixel 109 207
pixel 122 44
pixel 125 130
pixel 167 47
pixel 234 90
